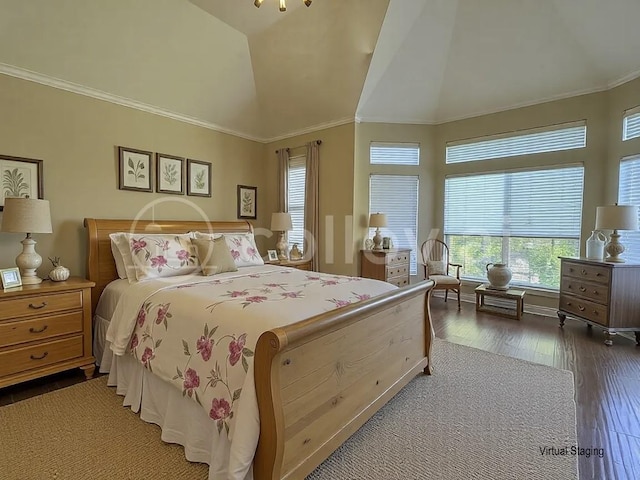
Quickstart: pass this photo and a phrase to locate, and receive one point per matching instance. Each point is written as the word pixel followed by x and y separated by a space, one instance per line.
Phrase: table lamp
pixel 27 215
pixel 377 220
pixel 281 222
pixel 616 217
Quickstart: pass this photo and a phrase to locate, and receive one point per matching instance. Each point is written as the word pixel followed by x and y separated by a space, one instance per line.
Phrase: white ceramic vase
pixel 499 276
pixel 59 274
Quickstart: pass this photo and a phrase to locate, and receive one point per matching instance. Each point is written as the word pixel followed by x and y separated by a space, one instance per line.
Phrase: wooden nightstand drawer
pixel 592 291
pixel 593 273
pixel 585 309
pixel 398 258
pixel 399 281
pixel 398 270
pixel 37 356
pixel 40 305
pixel 22 331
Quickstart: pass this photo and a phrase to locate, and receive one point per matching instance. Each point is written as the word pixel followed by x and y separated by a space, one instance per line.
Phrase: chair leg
pixel 458 299
pixel 446 294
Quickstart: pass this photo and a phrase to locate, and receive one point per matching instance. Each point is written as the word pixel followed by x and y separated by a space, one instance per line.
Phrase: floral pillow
pixel 161 255
pixel 243 249
pixel 436 267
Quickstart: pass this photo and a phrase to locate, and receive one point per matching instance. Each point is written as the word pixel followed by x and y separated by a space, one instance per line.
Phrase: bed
pixel 349 360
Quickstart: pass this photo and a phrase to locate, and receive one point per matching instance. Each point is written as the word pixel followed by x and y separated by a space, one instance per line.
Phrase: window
pixel 629 194
pixel 397 197
pixel 631 124
pixel 394 153
pixel 296 196
pixel 547 139
pixel 523 218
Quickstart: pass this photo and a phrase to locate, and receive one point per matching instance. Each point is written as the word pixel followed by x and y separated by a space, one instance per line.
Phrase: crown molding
pixel 404 121
pixel 627 78
pixel 58 83
pixel 312 129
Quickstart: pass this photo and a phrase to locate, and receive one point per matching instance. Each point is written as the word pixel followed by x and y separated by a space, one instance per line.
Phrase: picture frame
pixel 135 169
pixel 20 177
pixel 272 255
pixel 169 174
pixel 198 178
pixel 247 202
pixel 10 278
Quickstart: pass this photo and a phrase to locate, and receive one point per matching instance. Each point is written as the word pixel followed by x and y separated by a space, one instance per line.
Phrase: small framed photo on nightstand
pixel 10 278
pixel 272 255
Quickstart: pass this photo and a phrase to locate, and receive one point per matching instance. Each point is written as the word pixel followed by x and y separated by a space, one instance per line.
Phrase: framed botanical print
pixel 20 177
pixel 198 178
pixel 135 171
pixel 247 199
pixel 169 174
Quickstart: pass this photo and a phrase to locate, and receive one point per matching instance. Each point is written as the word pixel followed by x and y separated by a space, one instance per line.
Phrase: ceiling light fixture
pixel 283 4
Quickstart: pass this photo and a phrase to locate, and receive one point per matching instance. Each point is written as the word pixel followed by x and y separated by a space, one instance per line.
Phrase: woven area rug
pixel 480 416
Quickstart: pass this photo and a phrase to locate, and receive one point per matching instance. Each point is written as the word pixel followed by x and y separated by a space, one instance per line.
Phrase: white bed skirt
pixel 182 420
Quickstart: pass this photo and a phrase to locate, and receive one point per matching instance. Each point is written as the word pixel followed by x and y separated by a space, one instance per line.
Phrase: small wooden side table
pixel 517 295
pixel 299 264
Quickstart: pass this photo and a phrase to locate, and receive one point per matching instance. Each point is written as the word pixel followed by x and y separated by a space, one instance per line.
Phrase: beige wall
pixel 77 136
pixel 335 193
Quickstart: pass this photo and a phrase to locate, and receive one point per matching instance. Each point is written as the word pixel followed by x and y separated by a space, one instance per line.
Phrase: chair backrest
pixel 435 250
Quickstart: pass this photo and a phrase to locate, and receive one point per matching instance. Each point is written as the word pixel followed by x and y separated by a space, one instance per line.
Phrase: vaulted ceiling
pixel 263 74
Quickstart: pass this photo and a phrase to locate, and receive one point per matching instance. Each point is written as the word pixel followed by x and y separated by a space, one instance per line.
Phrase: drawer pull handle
pixel 39 330
pixel 38 307
pixel 568 304
pixel 595 312
pixel 33 357
pixel 581 308
pixel 598 274
pixel 584 272
pixel 582 289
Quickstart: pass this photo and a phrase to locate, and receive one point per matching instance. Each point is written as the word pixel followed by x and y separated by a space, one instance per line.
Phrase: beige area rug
pixel 480 416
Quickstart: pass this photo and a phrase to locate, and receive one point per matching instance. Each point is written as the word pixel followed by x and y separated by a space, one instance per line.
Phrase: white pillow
pixel 243 249
pixel 122 256
pixel 436 267
pixel 161 255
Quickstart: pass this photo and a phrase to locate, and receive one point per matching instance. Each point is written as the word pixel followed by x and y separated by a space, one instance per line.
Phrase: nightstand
pixel 299 264
pixel 45 329
pixel 388 265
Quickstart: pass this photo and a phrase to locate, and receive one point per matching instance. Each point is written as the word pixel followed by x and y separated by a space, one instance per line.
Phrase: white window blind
pixel 394 153
pixel 524 142
pixel 629 194
pixel 296 194
pixel 397 197
pixel 631 124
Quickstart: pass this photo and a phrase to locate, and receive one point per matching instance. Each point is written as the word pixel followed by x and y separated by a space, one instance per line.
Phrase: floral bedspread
pixel 199 333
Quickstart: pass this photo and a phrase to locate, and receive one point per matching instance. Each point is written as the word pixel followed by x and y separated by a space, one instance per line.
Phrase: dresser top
pixel 588 261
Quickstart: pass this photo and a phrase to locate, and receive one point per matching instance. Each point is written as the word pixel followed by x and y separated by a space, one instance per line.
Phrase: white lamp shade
pixel 281 222
pixel 26 215
pixel 378 220
pixel 617 217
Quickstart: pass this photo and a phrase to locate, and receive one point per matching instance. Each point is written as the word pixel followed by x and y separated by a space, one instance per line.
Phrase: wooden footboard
pixel 320 379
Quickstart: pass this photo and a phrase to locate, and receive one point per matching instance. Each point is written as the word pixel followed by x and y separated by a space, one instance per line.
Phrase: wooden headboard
pixel 101 267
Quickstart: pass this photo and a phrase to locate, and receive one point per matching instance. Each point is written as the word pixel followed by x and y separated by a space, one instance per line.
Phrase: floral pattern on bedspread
pixel 203 339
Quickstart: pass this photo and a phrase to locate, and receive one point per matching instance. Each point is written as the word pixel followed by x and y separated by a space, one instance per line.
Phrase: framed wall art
pixel 134 167
pixel 198 178
pixel 169 174
pixel 20 177
pixel 247 200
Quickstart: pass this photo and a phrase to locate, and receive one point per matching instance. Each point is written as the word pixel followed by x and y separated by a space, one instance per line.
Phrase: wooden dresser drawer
pixel 399 281
pixel 38 356
pixel 39 305
pixel 397 258
pixel 595 292
pixel 584 308
pixel 397 270
pixel 592 273
pixel 22 331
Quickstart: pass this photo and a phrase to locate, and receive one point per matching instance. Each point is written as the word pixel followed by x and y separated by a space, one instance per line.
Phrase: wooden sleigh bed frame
pixel 317 380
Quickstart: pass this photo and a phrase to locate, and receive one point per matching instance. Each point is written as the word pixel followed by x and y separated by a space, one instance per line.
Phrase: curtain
pixel 283 178
pixel 311 204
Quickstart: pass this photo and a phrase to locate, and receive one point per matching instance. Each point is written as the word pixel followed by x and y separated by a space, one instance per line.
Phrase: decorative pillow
pixel 214 256
pixel 243 249
pixel 117 254
pixel 161 255
pixel 436 267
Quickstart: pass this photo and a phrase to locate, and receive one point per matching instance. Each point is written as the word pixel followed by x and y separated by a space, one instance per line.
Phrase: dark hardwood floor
pixel 607 379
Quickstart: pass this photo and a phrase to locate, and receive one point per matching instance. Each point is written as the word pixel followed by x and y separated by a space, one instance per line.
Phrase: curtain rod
pixel 319 142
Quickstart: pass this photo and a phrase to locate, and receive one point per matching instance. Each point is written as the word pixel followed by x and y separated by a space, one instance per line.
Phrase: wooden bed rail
pixel 320 379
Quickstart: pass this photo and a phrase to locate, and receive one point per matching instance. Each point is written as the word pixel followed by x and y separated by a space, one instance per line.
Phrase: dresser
pixel 44 329
pixel 602 294
pixel 388 265
pixel 299 264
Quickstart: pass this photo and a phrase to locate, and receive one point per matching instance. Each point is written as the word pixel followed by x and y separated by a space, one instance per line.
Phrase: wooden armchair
pixel 435 260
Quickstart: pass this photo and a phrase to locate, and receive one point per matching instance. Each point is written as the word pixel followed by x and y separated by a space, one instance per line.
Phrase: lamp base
pixel 377 240
pixel 28 261
pixel 282 247
pixel 614 248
